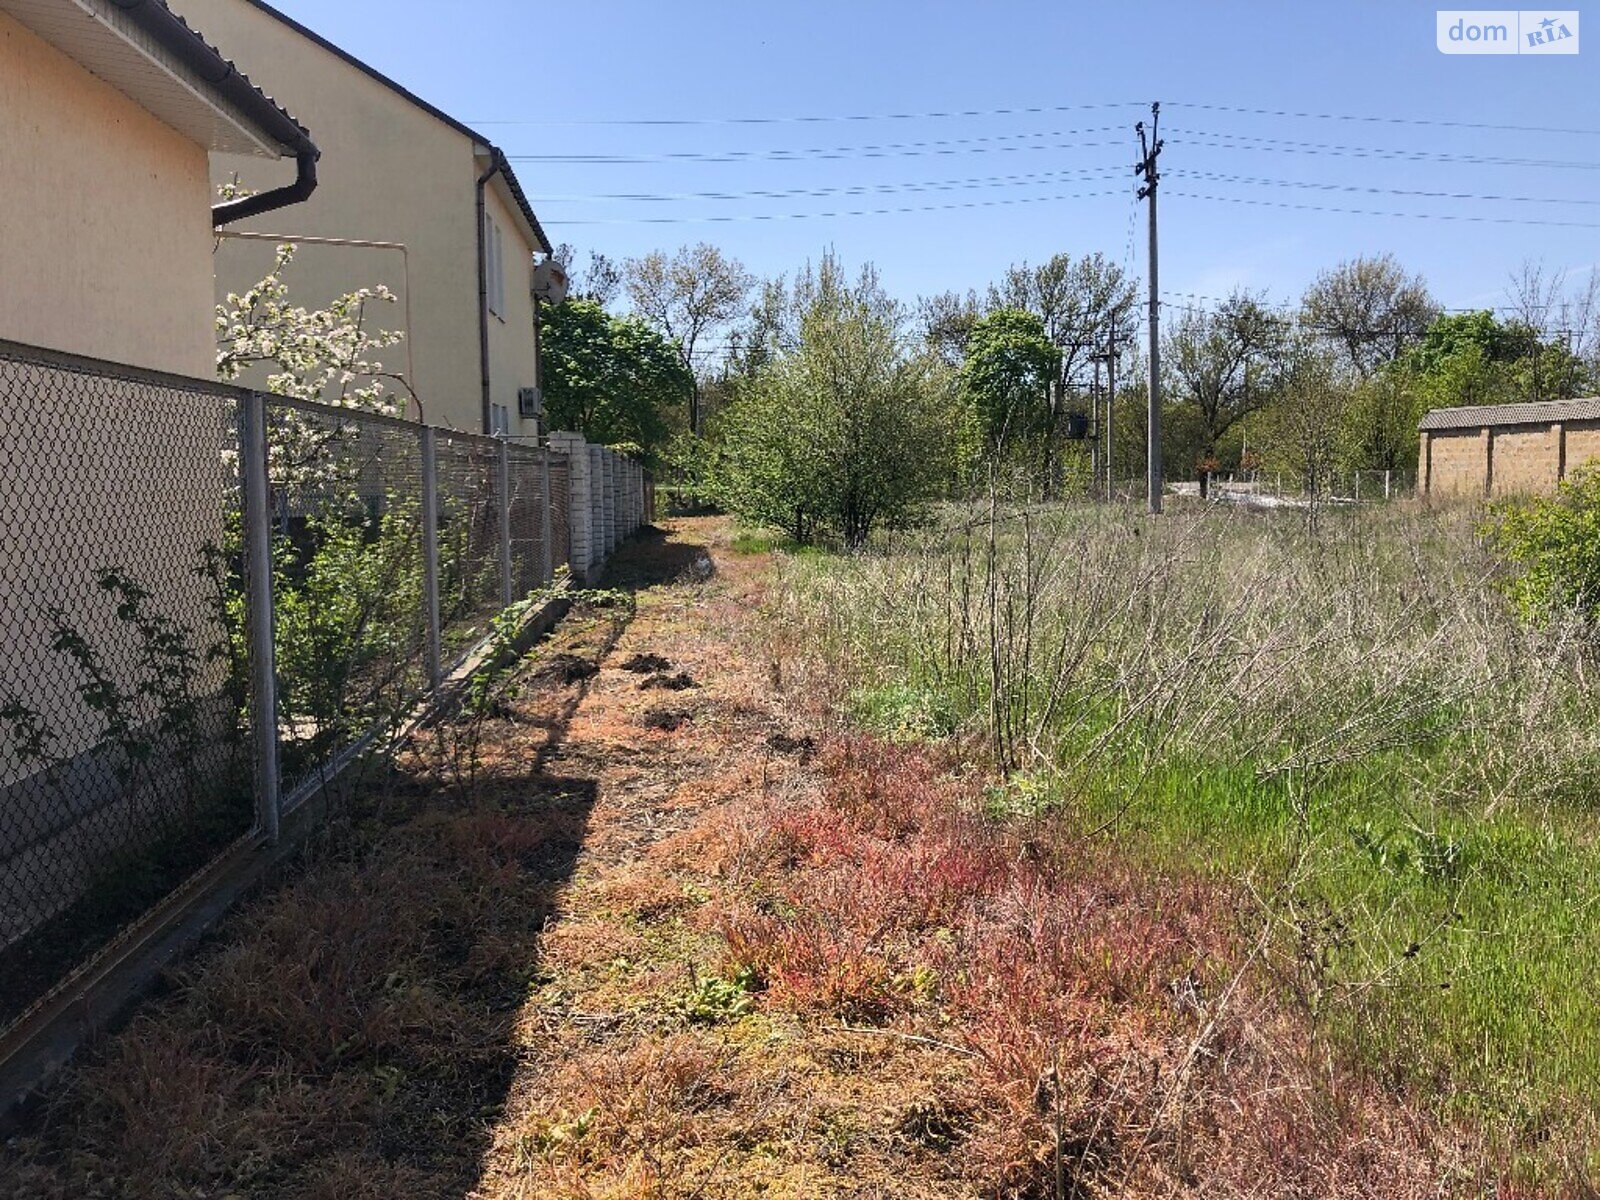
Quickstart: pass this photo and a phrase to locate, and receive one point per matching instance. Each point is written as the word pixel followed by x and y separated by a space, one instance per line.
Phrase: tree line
pixel 825 407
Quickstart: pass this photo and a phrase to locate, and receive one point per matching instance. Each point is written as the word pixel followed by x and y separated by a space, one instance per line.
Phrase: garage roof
pixel 1484 416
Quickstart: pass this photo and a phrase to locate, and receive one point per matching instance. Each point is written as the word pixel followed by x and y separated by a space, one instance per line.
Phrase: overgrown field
pixel 1349 731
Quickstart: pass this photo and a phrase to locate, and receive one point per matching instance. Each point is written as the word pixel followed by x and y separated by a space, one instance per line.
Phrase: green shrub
pixel 1553 547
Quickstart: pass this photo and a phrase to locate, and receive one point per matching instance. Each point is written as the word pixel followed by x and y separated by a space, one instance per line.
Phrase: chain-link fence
pixel 123 765
pixel 560 511
pixel 470 511
pixel 161 540
pixel 528 482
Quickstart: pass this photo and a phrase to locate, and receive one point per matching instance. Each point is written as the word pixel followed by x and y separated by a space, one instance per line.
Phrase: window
pixel 500 420
pixel 495 267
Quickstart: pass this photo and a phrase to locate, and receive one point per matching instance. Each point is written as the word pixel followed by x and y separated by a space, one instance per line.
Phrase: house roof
pixel 519 197
pixel 148 53
pixel 1546 412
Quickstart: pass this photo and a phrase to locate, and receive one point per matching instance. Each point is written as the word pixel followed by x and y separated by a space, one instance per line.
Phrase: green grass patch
pixel 1349 729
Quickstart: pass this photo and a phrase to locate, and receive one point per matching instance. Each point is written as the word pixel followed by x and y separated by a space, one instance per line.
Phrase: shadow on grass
pixel 352 1032
pixel 655 558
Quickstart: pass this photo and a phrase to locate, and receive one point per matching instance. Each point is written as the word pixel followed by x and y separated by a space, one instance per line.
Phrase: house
pixel 458 235
pixel 108 112
pixel 114 442
pixel 1504 449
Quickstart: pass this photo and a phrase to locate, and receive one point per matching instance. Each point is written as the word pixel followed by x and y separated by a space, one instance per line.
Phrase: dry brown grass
pixel 707 962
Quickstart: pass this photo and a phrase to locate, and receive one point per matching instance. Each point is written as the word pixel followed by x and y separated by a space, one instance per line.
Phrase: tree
pixel 1082 303
pixel 1371 309
pixel 324 355
pixel 1222 365
pixel 694 293
pixel 613 378
pixel 1566 324
pixel 1006 379
pixel 601 281
pixel 1308 425
pixel 1384 411
pixel 947 320
pixel 849 429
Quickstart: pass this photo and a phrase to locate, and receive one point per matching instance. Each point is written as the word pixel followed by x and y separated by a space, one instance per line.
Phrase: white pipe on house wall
pixel 360 244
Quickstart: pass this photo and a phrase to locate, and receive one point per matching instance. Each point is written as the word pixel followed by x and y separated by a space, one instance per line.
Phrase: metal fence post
pixel 547 560
pixel 430 556
pixel 507 579
pixel 258 610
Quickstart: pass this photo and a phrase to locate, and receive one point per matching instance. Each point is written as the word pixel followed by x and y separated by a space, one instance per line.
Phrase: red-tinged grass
pixel 1117 1041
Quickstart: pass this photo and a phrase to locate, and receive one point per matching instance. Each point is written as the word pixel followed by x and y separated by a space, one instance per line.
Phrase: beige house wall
pixel 105 221
pixel 511 341
pixel 390 172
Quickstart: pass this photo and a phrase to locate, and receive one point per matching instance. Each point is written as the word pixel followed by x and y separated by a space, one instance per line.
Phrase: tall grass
pixel 1350 726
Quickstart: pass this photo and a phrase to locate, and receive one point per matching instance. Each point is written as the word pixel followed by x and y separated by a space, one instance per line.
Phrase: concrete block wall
pixel 1526 459
pixel 582 536
pixel 607 504
pixel 1506 460
pixel 608 499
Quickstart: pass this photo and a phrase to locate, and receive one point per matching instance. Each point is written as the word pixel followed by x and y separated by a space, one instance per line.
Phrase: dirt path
pixel 403 1016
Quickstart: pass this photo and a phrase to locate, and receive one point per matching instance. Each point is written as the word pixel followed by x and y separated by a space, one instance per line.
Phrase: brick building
pixel 1503 449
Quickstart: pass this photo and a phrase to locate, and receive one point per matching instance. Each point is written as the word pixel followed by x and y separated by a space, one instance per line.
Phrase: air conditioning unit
pixel 530 402
pixel 549 282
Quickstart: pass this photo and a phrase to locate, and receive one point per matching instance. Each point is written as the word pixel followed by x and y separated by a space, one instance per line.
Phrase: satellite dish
pixel 549 282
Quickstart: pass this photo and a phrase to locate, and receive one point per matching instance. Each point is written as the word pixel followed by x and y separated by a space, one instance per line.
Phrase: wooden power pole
pixel 1150 149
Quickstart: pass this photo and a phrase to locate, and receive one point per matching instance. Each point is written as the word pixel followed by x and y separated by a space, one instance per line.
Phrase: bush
pixel 1553 546
pixel 843 433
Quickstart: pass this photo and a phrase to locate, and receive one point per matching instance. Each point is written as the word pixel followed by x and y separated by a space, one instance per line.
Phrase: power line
pixel 1026 111
pixel 1378 191
pixel 936 185
pixel 943 146
pixel 1387 120
pixel 859 212
pixel 1287 309
pixel 1368 212
pixel 1233 141
pixel 823 118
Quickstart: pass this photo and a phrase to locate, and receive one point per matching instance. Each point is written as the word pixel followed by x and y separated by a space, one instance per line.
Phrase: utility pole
pixel 1109 356
pixel 1150 150
pixel 1094 423
pixel 1112 354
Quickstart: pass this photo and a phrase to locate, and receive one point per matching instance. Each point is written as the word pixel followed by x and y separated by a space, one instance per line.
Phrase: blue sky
pixel 557 80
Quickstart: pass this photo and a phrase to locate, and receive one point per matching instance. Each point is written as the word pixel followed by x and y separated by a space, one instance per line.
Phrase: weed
pixel 713 1000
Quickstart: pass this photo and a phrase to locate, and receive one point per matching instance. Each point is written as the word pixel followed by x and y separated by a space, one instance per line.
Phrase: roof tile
pixel 1545 412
